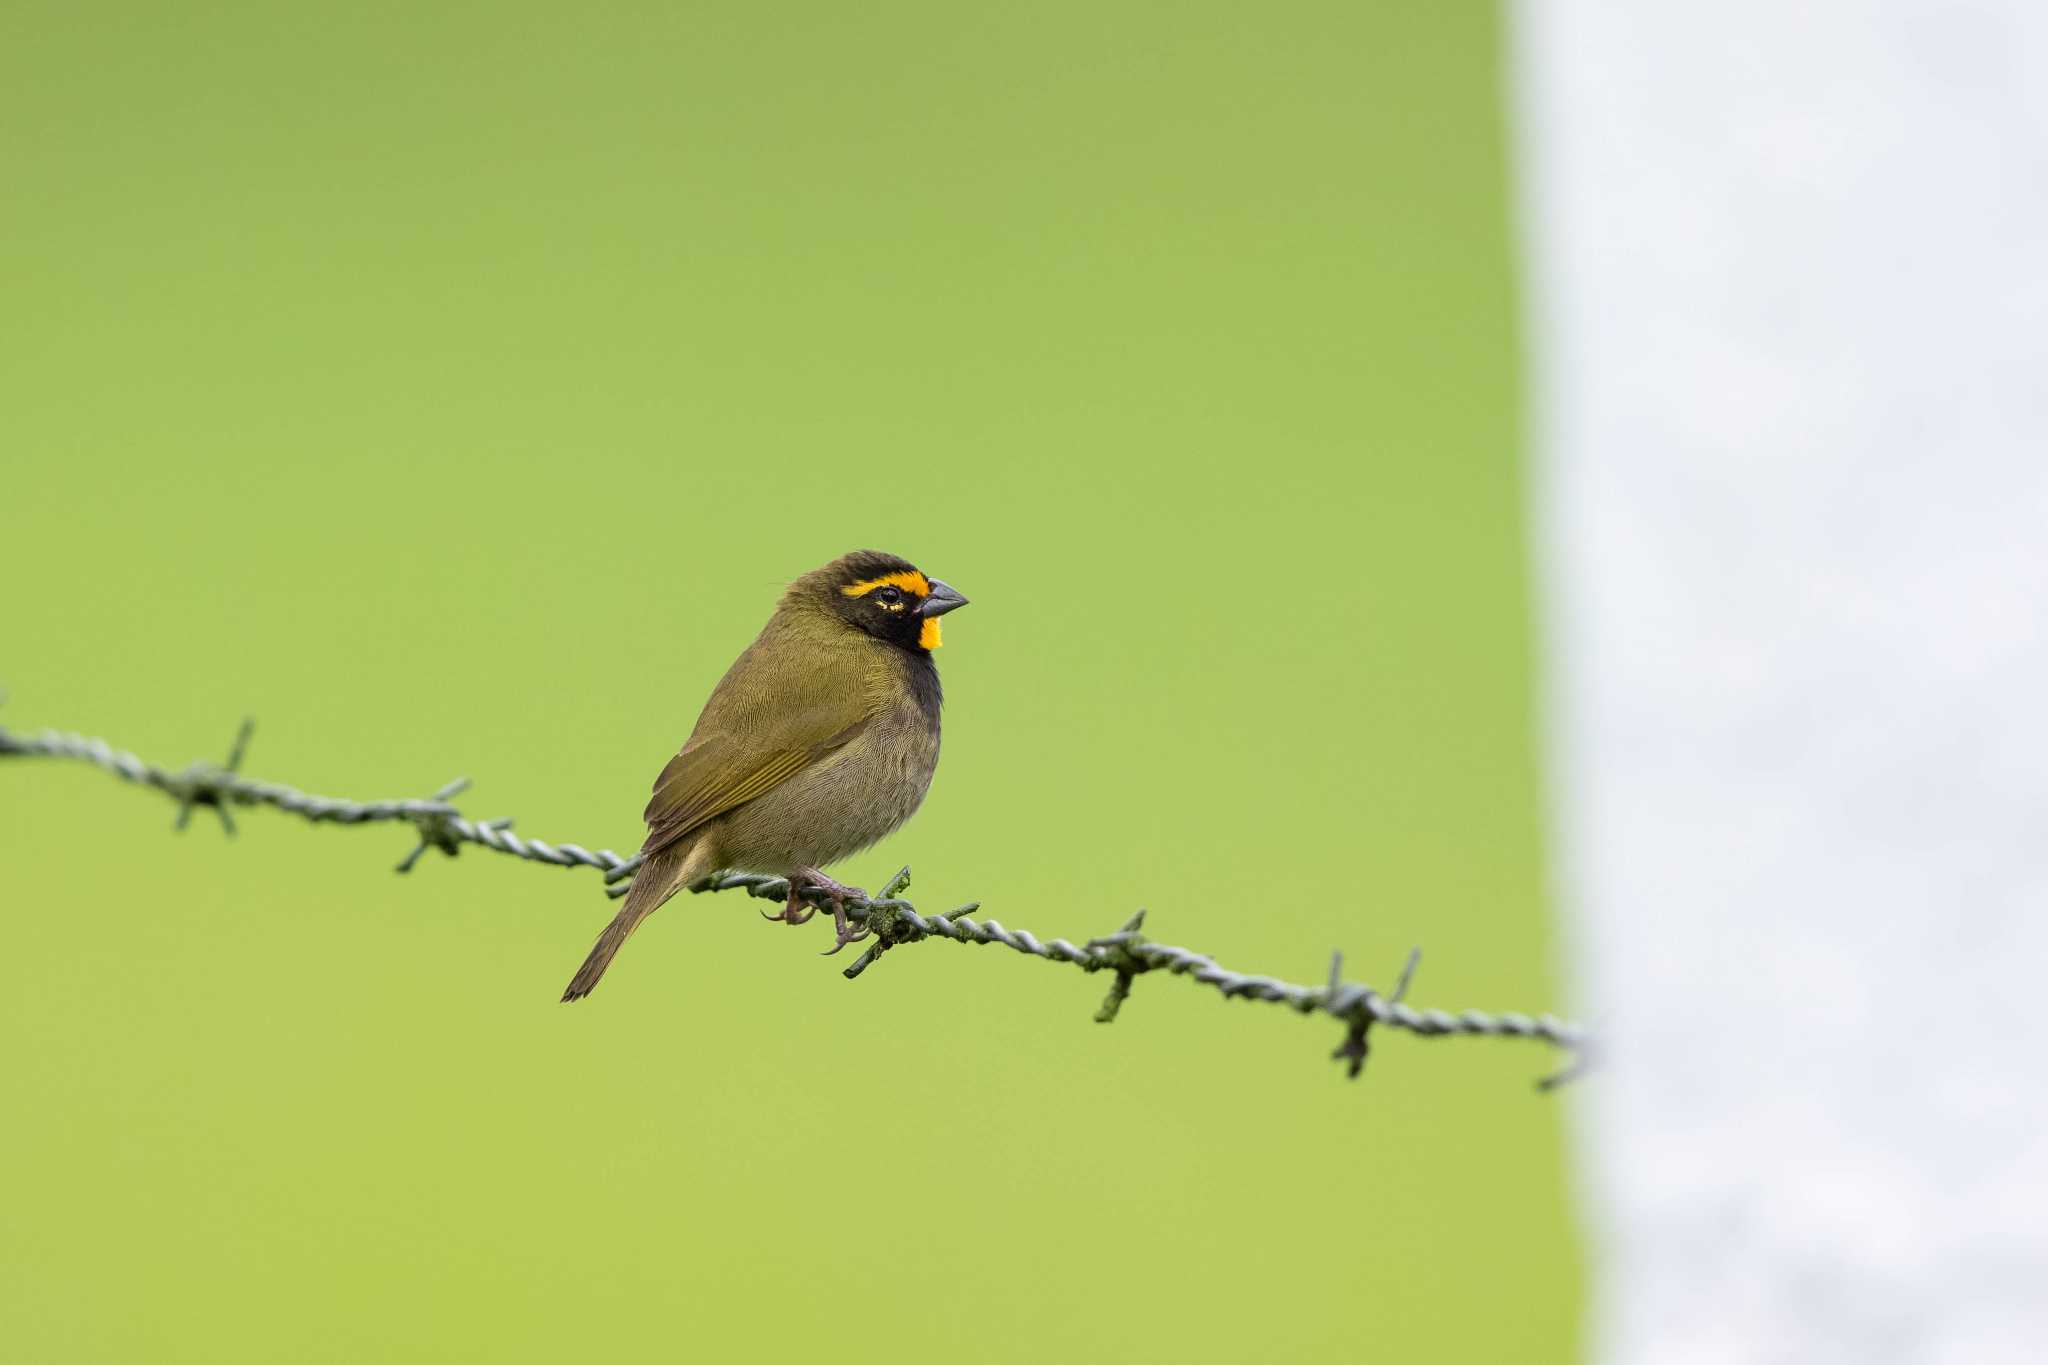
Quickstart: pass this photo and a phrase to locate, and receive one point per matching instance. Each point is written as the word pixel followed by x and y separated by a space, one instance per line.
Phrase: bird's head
pixel 886 596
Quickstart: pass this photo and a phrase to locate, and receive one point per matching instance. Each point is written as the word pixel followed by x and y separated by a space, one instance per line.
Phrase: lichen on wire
pixel 890 921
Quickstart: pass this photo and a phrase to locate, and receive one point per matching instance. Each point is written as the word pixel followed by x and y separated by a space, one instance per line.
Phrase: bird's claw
pixel 798 911
pixel 845 933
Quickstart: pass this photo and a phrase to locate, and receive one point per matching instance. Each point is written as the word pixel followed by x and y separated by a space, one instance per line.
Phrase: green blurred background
pixel 452 387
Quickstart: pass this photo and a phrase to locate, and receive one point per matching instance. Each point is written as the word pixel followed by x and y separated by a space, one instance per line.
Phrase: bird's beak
pixel 941 600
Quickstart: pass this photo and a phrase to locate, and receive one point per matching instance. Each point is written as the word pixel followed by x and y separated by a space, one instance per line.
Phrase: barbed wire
pixel 893 922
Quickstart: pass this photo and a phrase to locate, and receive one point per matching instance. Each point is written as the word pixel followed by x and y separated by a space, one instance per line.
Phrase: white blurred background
pixel 1788 275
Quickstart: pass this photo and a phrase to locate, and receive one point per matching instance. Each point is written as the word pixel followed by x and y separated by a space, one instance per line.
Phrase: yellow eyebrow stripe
pixel 910 580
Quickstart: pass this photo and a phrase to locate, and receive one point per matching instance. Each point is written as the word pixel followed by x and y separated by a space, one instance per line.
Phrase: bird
pixel 819 740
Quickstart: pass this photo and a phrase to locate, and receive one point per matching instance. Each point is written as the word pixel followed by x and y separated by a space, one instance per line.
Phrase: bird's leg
pixel 810 879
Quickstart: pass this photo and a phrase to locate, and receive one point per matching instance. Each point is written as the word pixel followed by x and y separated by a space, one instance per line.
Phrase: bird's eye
pixel 889 596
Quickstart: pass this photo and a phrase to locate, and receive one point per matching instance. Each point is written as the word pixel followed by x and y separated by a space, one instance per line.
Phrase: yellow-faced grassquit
pixel 820 739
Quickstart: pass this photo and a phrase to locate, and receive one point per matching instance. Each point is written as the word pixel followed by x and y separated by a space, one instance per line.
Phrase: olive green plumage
pixel 821 738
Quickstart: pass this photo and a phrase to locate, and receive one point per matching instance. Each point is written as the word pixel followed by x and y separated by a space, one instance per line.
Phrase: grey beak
pixel 941 600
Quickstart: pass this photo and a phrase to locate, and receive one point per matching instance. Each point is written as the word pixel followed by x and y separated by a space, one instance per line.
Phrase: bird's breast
pixel 847 800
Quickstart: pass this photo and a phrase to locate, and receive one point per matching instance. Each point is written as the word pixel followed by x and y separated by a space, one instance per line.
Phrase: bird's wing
pixel 720 769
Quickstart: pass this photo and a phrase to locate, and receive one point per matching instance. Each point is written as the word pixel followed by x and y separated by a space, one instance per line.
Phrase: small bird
pixel 819 740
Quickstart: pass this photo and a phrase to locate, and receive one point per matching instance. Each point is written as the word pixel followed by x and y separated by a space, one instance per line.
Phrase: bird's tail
pixel 663 874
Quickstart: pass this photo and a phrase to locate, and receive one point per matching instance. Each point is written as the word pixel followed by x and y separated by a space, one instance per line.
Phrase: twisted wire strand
pixel 885 920
pixel 440 824
pixel 897 921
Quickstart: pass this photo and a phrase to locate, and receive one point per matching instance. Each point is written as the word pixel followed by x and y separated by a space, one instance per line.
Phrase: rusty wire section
pixel 892 922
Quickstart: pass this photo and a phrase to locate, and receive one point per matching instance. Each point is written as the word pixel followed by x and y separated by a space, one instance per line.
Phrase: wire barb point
pixel 436 823
pixel 890 921
pixel 204 784
pixel 1582 1061
pixel 1361 1007
pixel 1118 952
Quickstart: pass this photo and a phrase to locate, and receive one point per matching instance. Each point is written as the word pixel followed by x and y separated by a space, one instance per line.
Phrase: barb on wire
pixel 891 921
pixel 200 784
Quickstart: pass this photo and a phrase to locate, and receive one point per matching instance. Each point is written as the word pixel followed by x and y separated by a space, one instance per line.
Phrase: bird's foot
pixel 797 911
pixel 791 913
pixel 846 932
pixel 836 895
